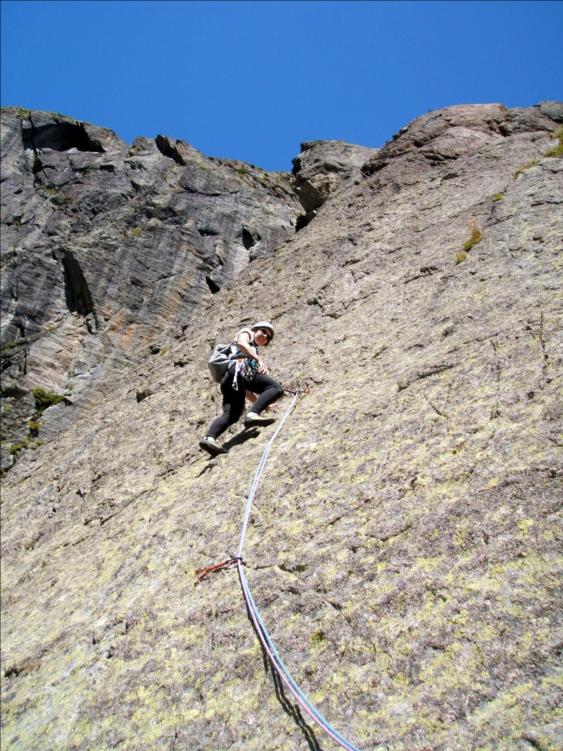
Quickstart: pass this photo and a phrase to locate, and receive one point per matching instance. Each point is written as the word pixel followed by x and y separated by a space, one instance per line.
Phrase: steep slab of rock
pixel 403 550
pixel 105 248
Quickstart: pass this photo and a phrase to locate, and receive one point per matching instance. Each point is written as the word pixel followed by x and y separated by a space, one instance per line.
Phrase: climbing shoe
pixel 211 446
pixel 253 419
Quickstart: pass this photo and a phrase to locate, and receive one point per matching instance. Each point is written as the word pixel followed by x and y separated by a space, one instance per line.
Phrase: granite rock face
pixel 404 548
pixel 322 168
pixel 104 247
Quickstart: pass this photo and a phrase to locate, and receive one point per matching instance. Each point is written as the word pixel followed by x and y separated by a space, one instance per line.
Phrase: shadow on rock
pixel 293 710
pixel 242 437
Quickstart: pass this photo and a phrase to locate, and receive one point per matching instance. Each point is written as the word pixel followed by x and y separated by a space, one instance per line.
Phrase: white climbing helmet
pixel 264 325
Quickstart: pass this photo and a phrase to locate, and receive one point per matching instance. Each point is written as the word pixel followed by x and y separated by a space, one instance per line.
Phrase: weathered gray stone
pixel 553 110
pixel 403 548
pixel 129 240
pixel 323 167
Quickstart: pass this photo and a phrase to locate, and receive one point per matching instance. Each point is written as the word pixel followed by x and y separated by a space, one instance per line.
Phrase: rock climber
pixel 247 376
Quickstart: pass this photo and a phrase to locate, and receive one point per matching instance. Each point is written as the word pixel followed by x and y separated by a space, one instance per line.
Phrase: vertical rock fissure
pixel 28 141
pixel 248 239
pixel 77 293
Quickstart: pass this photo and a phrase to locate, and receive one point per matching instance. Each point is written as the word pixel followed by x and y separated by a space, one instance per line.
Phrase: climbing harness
pixel 259 625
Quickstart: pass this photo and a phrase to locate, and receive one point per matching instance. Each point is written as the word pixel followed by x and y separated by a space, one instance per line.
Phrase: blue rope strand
pixel 261 629
pixel 283 672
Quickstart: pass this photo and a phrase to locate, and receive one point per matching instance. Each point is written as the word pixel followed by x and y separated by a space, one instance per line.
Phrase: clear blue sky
pixel 252 80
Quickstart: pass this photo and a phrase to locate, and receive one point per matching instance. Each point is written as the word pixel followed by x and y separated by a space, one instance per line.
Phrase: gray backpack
pixel 221 357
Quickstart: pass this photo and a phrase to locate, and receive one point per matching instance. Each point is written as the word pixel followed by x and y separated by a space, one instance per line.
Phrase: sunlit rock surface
pixel 322 168
pixel 404 548
pixel 105 247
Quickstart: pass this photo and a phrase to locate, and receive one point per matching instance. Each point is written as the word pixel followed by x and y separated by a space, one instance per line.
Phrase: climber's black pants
pixel 233 399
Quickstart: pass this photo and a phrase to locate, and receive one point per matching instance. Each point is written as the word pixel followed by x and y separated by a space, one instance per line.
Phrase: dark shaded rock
pixel 304 219
pixel 143 394
pixel 77 293
pixel 169 149
pixel 118 237
pixel 60 136
pixel 553 110
pixel 323 167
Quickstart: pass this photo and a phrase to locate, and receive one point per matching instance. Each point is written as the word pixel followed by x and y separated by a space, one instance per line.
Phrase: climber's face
pixel 262 337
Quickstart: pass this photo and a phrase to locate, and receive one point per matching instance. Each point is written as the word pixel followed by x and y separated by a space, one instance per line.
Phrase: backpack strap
pixel 240 357
pixel 237 351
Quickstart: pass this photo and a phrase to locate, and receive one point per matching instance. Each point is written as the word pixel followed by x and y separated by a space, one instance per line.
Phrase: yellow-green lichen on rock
pixel 403 547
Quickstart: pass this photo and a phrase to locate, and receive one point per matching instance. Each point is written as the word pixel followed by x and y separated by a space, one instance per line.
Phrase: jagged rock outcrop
pixel 104 247
pixel 322 168
pixel 403 548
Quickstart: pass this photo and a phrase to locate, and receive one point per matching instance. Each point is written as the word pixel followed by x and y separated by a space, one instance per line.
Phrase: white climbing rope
pixel 259 625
